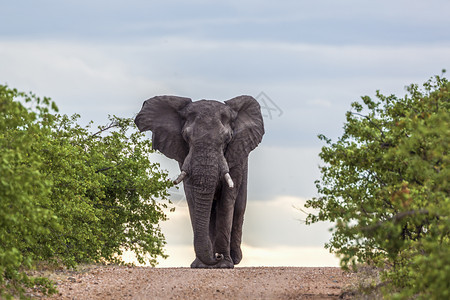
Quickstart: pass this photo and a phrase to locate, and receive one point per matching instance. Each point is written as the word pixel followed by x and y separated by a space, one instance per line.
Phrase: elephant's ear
pixel 160 114
pixel 248 129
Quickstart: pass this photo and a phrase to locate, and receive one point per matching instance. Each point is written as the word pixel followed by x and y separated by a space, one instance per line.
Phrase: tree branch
pixel 108 168
pixel 107 127
pixel 396 218
pixel 373 123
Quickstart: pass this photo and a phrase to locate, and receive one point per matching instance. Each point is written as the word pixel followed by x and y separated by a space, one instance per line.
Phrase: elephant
pixel 211 141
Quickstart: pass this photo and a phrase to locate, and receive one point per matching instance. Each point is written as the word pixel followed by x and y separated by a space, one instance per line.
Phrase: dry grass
pixel 365 284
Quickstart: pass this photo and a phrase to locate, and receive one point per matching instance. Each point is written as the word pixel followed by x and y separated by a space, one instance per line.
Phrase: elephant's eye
pixel 225 118
pixel 185 133
pixel 230 137
pixel 228 134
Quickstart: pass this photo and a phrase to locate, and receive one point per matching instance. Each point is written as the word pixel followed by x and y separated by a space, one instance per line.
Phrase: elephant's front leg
pixel 238 220
pixel 224 223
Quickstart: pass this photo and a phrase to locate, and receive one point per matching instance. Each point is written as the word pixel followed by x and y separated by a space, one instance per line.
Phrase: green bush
pixel 71 195
pixel 385 184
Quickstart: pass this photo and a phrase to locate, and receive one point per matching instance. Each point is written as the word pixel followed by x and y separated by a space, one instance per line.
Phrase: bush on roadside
pixel 69 195
pixel 385 184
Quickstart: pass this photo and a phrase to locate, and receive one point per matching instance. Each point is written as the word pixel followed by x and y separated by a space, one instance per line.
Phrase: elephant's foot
pixel 197 263
pixel 236 255
pixel 224 263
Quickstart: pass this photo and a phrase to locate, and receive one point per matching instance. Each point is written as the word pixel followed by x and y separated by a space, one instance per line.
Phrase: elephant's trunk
pixel 202 243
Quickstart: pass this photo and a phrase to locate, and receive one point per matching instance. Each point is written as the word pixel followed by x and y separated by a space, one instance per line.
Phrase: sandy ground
pixel 121 282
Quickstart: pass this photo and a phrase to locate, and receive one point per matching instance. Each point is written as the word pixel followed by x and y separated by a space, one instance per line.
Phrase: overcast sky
pixel 305 62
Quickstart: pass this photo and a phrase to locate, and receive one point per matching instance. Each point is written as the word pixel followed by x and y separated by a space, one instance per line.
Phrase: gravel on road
pixel 122 282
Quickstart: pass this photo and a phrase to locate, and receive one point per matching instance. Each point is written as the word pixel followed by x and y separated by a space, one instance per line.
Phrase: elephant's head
pixel 207 138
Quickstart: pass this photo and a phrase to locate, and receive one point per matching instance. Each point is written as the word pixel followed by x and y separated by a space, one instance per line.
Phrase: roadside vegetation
pixel 385 184
pixel 71 194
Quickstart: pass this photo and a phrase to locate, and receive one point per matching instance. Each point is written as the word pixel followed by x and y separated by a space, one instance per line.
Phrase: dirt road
pixel 117 282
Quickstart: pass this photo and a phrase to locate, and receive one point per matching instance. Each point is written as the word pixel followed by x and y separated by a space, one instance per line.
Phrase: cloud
pixel 280 222
pixel 279 170
pixel 324 21
pixel 296 256
pixel 81 79
pixel 97 79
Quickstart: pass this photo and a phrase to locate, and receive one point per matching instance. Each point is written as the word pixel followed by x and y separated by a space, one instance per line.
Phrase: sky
pixel 304 61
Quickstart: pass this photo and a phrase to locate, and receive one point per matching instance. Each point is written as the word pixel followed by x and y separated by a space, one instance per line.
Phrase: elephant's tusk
pixel 180 177
pixel 229 180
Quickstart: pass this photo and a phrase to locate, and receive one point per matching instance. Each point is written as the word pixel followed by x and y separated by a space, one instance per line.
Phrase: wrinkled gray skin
pixel 209 139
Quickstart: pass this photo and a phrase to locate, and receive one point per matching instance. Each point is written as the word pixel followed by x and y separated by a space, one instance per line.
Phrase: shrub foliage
pixel 385 184
pixel 69 194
